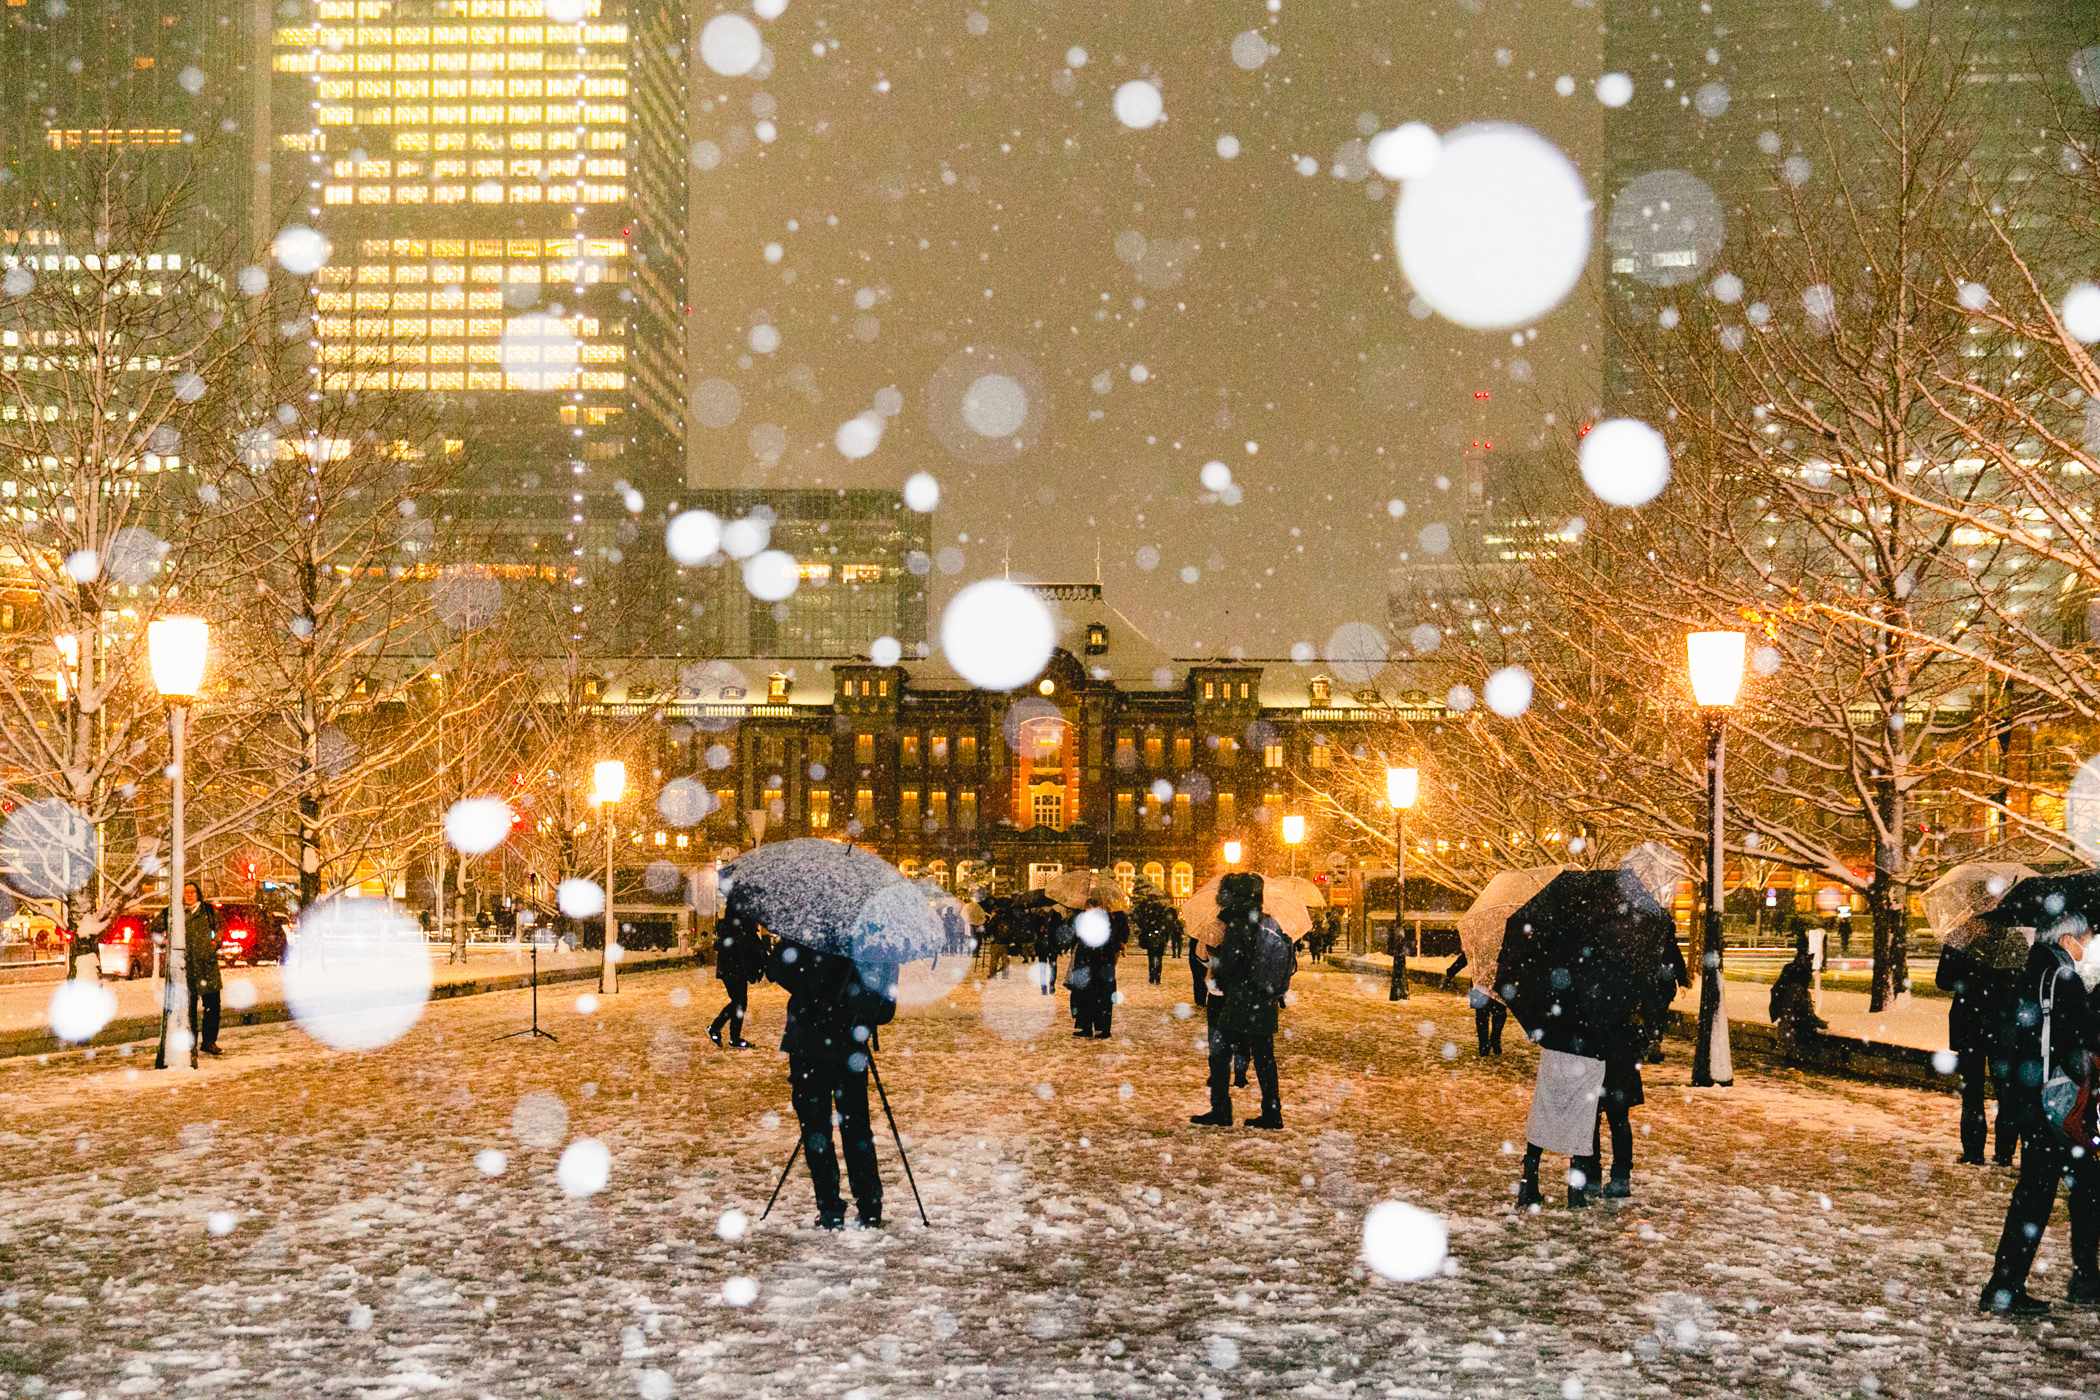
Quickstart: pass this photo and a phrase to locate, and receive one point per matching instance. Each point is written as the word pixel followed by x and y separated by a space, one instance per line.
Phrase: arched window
pixel 908 868
pixel 937 871
pixel 1126 875
pixel 1156 874
pixel 1184 879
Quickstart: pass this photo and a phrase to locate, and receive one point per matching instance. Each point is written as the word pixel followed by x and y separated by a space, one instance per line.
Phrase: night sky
pixel 947 189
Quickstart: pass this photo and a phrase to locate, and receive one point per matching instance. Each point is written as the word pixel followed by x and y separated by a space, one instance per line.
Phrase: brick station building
pixel 1116 757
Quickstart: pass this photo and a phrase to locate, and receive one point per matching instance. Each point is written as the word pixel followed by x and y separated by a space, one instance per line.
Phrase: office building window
pixel 1228 811
pixel 1153 752
pixel 820 809
pixel 908 809
pixel 1322 756
pixel 864 749
pixel 1126 751
pixel 937 809
pixel 908 752
pixel 1126 875
pixel 966 811
pixel 1272 755
pixel 966 751
pixel 1126 811
pixel 1050 810
pixel 1181 811
pixel 938 748
pixel 1181 752
pixel 1184 880
pixel 864 807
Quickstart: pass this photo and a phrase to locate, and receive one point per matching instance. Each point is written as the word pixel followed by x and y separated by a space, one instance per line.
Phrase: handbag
pixel 2067 1102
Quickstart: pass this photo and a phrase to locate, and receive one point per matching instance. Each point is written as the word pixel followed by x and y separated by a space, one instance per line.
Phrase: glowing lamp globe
pixel 176 647
pixel 1402 785
pixel 1293 830
pixel 1717 666
pixel 609 780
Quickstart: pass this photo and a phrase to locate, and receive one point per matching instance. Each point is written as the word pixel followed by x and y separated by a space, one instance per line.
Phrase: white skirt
pixel 1564 1106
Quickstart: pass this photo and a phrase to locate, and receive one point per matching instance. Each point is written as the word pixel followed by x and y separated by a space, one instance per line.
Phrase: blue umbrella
pixel 834 898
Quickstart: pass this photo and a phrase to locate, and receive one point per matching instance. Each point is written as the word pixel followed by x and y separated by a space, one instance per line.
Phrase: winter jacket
pixel 1983 1001
pixel 1250 1010
pixel 2074 1027
pixel 200 945
pixel 834 1004
pixel 740 951
pixel 1792 1007
pixel 1155 925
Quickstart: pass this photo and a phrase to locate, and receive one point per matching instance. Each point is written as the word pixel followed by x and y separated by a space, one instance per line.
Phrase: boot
pixel 2011 1302
pixel 1528 1194
pixel 1212 1120
pixel 1267 1120
pixel 1618 1188
pixel 2084 1290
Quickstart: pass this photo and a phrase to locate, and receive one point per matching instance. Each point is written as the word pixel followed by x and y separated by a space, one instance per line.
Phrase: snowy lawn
pixel 303 1222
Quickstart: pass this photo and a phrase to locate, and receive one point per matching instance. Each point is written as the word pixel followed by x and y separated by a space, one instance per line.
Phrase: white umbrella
pixel 1073 888
pixel 1957 898
pixel 1309 893
pixel 1200 913
pixel 1480 927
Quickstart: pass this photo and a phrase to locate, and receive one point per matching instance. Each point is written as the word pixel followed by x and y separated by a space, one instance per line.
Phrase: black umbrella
pixel 2043 902
pixel 1582 955
pixel 834 898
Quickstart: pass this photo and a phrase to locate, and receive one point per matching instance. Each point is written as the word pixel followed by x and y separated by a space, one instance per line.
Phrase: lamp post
pixel 1293 834
pixel 609 785
pixel 1402 786
pixel 1716 663
pixel 176 648
pixel 1232 852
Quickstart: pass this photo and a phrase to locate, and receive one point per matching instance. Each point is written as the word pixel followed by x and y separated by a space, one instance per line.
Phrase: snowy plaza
pixel 298 1221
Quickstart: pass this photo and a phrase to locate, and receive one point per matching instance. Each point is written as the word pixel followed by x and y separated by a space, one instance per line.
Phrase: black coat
pixel 740 951
pixel 1984 999
pixel 2074 1027
pixel 834 1004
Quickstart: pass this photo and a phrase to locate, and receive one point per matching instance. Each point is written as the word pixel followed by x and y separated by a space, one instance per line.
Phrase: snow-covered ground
pixel 297 1221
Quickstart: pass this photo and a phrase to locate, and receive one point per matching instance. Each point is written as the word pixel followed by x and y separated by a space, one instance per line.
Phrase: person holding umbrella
pixel 844 921
pixel 1979 963
pixel 1097 943
pixel 1489 1015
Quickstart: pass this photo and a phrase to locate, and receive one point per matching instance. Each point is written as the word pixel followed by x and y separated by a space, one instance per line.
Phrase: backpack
pixel 2067 1102
pixel 1274 959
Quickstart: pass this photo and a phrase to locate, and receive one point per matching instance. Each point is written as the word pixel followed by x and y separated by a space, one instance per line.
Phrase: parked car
pixel 249 933
pixel 130 946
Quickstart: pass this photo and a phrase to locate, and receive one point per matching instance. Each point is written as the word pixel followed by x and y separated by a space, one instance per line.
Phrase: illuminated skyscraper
pixel 471 162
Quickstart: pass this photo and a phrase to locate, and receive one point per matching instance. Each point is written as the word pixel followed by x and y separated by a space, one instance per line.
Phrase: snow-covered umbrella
pixel 1956 902
pixel 1200 913
pixel 1073 888
pixel 836 899
pixel 1480 927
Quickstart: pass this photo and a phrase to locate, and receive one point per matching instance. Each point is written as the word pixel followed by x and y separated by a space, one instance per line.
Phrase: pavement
pixel 301 1221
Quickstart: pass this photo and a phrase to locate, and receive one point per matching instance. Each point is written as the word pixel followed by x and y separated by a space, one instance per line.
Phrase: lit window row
pixel 378 378
pixel 491 115
pixel 336 89
pixel 426 35
pixel 489 193
pixel 466 9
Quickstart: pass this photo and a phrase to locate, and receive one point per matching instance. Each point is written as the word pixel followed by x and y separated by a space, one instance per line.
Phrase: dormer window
pixel 1320 689
pixel 1096 639
pixel 777 686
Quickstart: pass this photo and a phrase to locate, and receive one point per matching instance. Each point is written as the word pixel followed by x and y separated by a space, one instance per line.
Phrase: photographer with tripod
pixel 833 1012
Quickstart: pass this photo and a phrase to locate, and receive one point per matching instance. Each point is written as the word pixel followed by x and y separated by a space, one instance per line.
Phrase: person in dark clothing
pixel 1199 975
pixel 1623 1049
pixel 834 1009
pixel 1682 977
pixel 1793 1003
pixel 200 973
pixel 1242 1008
pixel 2050 999
pixel 1153 919
pixel 1489 1014
pixel 1045 929
pixel 1569 1036
pixel 1093 975
pixel 1975 1024
pixel 740 956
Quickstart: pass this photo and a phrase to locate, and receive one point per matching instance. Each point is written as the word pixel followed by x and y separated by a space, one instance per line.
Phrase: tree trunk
pixel 1888 902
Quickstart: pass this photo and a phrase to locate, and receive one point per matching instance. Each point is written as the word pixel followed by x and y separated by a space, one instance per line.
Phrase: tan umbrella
pixel 1956 902
pixel 1480 927
pixel 1309 893
pixel 1073 888
pixel 1200 913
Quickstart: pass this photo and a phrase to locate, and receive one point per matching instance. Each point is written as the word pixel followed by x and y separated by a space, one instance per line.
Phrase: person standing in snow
pixel 1975 1024
pixel 835 1007
pixel 1245 969
pixel 1489 1015
pixel 2052 1002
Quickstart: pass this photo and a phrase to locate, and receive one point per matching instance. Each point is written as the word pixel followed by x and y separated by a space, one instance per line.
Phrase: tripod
pixel 884 1094
pixel 534 1028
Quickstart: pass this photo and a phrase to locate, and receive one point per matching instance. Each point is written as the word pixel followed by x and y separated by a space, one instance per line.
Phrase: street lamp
pixel 1402 786
pixel 1293 833
pixel 1233 852
pixel 1716 662
pixel 176 648
pixel 609 785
